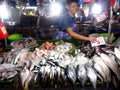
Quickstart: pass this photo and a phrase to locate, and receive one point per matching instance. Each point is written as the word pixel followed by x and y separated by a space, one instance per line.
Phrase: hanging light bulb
pixel 97 9
pixel 55 9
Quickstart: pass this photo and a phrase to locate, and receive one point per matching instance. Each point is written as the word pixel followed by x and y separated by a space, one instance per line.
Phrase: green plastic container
pixel 15 37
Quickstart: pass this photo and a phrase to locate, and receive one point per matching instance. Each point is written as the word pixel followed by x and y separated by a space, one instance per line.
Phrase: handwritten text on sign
pixel 99 41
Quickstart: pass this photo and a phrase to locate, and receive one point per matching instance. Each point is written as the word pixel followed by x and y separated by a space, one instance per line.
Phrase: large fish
pixel 92 75
pixel 111 63
pixel 100 71
pixel 117 53
pixel 81 74
pixel 71 74
pixel 104 68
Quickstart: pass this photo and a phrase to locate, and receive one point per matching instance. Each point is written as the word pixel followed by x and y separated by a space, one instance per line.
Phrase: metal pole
pixel 110 26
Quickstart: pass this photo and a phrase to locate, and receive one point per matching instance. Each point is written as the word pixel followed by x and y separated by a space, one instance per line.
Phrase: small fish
pixel 17 58
pixel 27 81
pixel 24 75
pixel 52 72
pixel 81 74
pixel 63 76
pixel 42 71
pixel 58 70
pixel 92 75
pixel 11 74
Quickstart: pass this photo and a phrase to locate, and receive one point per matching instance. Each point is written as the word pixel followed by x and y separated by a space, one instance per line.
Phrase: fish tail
pixel 119 76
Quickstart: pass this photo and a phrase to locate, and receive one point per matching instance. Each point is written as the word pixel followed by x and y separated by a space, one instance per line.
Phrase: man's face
pixel 73 8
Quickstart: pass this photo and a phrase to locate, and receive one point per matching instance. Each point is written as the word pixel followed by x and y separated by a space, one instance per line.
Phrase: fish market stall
pixel 60 64
pixel 44 63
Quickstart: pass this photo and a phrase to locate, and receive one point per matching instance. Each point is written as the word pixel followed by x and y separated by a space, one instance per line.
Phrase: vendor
pixel 67 24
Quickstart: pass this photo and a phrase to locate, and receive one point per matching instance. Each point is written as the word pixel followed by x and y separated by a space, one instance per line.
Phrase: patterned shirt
pixel 66 21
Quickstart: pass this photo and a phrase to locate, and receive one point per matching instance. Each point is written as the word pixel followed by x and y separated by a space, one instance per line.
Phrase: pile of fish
pixel 8 71
pixel 62 63
pixel 20 44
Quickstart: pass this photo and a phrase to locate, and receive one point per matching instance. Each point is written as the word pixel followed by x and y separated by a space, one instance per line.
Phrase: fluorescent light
pixel 31 7
pixel 3 11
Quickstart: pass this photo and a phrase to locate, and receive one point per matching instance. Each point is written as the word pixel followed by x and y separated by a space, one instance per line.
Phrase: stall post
pixel 110 26
pixel 112 3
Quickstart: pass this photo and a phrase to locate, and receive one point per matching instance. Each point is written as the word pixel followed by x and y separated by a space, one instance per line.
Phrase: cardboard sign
pixel 99 41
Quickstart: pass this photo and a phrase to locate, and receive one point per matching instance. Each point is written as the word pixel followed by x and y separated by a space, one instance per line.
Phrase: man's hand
pixel 91 38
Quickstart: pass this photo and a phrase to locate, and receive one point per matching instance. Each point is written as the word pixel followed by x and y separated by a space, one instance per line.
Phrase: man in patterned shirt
pixel 67 24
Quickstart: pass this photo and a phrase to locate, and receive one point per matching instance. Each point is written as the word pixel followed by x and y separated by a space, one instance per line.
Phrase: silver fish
pixel 24 75
pixel 104 68
pixel 31 65
pixel 52 72
pixel 92 75
pixel 115 81
pixel 63 76
pixel 27 81
pixel 81 74
pixel 111 63
pixel 42 71
pixel 100 71
pixel 7 66
pixel 11 74
pixel 58 72
pixel 17 58
pixel 71 74
pixel 117 53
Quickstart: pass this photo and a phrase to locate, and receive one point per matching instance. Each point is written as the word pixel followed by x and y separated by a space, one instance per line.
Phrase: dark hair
pixel 68 2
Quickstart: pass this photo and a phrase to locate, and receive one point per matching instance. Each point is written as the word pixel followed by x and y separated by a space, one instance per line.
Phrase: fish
pixel 115 81
pixel 104 68
pixel 111 63
pixel 92 75
pixel 52 72
pixel 42 71
pixel 81 60
pixel 63 76
pixel 81 74
pixel 16 58
pixel 100 71
pixel 8 66
pixel 24 75
pixel 47 70
pixel 58 70
pixel 71 74
pixel 8 71
pixel 11 74
pixel 31 65
pixel 117 53
pixel 27 81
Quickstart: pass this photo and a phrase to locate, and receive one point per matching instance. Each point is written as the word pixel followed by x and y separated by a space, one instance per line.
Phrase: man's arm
pixel 78 36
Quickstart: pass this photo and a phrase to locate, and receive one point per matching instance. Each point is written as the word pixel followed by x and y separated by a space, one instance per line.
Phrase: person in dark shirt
pixel 67 24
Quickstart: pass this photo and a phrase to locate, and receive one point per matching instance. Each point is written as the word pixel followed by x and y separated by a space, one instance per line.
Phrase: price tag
pixel 99 41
